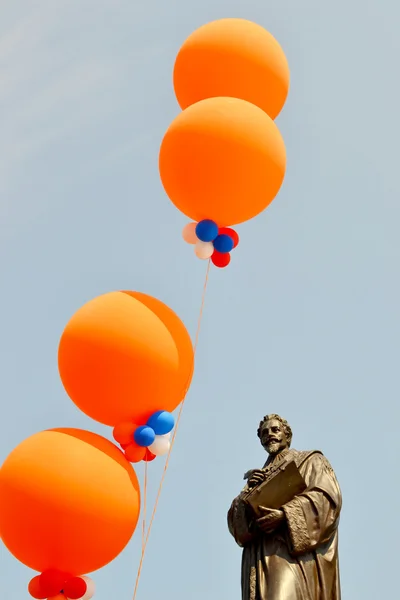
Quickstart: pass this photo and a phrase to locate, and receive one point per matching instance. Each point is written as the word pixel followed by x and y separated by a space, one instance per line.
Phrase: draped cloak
pixel 298 561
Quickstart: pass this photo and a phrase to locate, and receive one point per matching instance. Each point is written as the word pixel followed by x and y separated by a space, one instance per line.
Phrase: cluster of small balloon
pixel 223 160
pixel 211 241
pixel 49 584
pixel 145 442
pixel 126 360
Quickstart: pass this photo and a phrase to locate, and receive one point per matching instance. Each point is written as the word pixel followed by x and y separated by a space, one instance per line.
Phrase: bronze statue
pixel 290 551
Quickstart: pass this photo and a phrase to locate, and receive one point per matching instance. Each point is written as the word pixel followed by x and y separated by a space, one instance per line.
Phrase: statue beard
pixel 274 448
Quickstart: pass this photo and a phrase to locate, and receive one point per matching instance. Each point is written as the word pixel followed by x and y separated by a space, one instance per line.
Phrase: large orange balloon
pixel 232 57
pixel 222 159
pixel 69 500
pixel 122 357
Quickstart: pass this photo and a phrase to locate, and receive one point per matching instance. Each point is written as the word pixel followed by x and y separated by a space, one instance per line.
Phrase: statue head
pixel 275 434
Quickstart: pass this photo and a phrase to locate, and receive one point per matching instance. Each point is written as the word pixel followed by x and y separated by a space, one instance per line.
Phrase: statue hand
pixel 256 478
pixel 271 519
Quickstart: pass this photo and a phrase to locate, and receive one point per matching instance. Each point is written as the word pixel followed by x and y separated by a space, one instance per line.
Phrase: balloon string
pixel 144 503
pixel 144 545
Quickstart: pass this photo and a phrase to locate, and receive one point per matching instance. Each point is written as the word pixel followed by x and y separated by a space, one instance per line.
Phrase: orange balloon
pixel 236 58
pixel 119 361
pixel 222 159
pixel 69 500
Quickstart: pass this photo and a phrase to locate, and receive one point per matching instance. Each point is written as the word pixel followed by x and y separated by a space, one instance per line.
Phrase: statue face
pixel 273 437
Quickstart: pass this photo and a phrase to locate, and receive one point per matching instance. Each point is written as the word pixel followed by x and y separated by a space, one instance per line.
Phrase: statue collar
pixel 277 459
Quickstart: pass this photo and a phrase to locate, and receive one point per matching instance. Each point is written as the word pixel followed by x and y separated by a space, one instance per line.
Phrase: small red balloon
pixel 75 588
pixel 52 582
pixel 232 234
pixel 36 590
pixel 221 260
pixel 149 456
pixel 134 453
pixel 123 433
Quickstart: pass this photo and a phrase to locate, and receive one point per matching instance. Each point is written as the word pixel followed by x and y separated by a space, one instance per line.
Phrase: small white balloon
pixel 160 446
pixel 204 250
pixel 189 233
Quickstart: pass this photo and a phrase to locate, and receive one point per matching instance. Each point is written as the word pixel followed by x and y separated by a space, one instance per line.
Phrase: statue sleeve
pixel 240 523
pixel 313 516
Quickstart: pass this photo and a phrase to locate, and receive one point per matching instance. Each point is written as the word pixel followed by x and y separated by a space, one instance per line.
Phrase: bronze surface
pixel 290 546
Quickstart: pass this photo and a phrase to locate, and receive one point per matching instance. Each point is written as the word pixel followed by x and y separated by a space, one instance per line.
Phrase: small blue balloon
pixel 206 230
pixel 144 436
pixel 223 243
pixel 161 422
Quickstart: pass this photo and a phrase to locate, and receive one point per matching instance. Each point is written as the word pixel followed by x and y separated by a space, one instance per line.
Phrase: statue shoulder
pixel 301 456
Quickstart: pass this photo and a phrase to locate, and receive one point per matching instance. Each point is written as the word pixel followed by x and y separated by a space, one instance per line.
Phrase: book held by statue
pixel 280 488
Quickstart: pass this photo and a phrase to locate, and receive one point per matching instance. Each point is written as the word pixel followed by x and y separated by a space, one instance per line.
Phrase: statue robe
pixel 299 561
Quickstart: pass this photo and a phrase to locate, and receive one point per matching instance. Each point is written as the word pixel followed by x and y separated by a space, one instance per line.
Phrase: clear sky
pixel 304 322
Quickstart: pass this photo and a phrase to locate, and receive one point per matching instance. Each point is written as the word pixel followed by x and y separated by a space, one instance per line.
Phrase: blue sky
pixel 304 322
